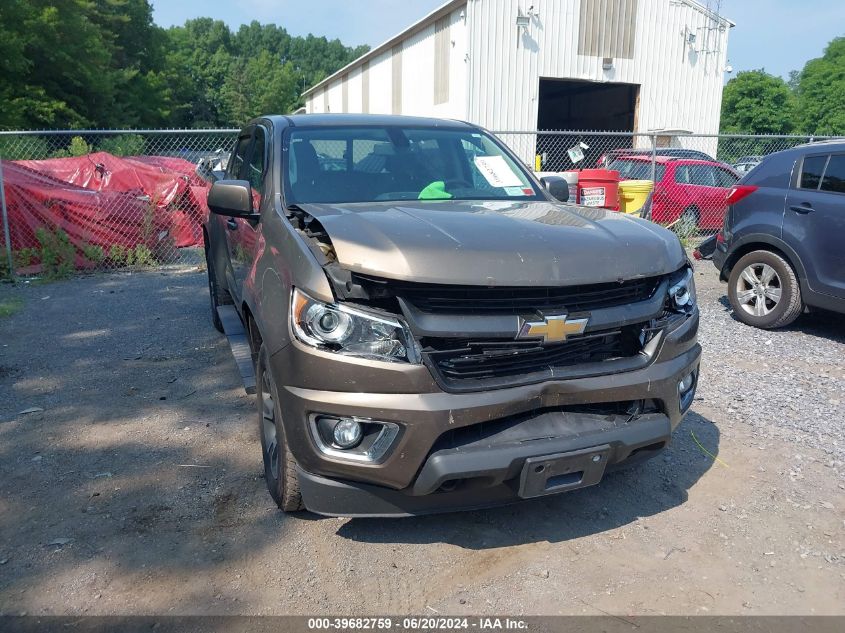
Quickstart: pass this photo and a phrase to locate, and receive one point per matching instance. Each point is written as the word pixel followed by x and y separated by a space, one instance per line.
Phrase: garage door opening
pixel 584 105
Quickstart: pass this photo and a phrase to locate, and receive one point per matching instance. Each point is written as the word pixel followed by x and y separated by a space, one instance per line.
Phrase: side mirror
pixel 557 187
pixel 232 198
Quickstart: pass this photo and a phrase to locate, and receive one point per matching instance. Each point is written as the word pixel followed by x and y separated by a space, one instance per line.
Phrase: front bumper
pixel 493 475
pixel 411 478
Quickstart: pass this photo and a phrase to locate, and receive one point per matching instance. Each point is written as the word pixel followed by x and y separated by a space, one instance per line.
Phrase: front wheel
pixel 764 291
pixel 279 464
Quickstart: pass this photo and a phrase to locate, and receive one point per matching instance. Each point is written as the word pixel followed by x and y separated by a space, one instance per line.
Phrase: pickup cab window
pixel 372 164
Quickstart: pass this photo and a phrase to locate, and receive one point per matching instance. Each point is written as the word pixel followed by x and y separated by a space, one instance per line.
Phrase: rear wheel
pixel 279 464
pixel 217 295
pixel 763 290
pixel 687 224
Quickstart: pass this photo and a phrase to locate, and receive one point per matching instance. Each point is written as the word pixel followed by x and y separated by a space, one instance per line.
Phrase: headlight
pixel 682 290
pixel 351 332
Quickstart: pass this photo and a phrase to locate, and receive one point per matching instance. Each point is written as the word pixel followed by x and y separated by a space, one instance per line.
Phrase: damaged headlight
pixel 350 332
pixel 681 294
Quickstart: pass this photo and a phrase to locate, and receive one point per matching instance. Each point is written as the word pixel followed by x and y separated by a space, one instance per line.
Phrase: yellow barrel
pixel 633 194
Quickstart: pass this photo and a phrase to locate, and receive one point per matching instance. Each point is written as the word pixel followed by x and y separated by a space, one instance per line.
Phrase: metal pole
pixel 6 224
pixel 653 160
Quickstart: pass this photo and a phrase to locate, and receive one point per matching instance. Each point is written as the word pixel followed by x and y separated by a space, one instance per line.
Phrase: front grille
pixel 460 362
pixel 523 300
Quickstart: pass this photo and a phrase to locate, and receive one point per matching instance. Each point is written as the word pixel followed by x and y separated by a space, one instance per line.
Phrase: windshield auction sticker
pixel 497 172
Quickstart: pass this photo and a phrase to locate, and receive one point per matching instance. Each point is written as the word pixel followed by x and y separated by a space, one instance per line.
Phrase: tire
pixel 763 290
pixel 217 295
pixel 279 464
pixel 687 224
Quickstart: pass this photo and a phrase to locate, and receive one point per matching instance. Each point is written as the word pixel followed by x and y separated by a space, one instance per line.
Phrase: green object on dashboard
pixel 435 191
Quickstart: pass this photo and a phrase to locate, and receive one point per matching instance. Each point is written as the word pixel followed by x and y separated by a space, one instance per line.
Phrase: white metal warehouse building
pixel 607 65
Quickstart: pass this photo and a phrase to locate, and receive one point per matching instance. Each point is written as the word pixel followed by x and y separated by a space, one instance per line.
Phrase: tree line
pixel 106 64
pixel 812 101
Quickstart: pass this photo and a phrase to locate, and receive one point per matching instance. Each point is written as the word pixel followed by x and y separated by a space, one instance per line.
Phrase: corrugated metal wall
pixel 425 74
pixel 680 88
pixel 607 28
pixel 442 44
pixel 396 79
pixel 494 67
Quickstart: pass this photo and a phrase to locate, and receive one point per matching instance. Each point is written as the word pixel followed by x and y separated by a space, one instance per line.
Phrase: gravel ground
pixel 134 484
pixel 787 383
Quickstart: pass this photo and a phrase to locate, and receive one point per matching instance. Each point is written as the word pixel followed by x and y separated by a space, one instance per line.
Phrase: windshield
pixel 637 169
pixel 373 164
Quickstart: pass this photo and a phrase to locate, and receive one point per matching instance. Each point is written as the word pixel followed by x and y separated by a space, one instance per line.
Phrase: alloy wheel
pixel 758 289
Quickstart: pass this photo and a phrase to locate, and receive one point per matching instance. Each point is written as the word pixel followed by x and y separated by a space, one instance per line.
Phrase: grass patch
pixel 9 306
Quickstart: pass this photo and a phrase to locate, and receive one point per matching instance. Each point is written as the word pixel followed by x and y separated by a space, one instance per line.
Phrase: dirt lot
pixel 136 487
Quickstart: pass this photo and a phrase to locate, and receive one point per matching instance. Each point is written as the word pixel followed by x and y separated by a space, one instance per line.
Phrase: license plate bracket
pixel 549 474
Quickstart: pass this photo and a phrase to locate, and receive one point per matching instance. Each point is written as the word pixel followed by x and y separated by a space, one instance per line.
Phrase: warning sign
pixel 592 196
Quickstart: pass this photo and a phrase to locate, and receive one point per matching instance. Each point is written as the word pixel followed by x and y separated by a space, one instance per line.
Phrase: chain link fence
pixel 96 200
pixel 676 179
pixel 93 200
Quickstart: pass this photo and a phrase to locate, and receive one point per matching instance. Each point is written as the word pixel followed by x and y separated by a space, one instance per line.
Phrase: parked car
pixel 746 164
pixel 429 328
pixel 673 152
pixel 781 247
pixel 691 193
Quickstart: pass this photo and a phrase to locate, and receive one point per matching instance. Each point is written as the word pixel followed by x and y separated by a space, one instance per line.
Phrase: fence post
pixel 653 160
pixel 6 235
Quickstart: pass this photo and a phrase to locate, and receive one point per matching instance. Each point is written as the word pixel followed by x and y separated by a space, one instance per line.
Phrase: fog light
pixel 347 433
pixel 686 391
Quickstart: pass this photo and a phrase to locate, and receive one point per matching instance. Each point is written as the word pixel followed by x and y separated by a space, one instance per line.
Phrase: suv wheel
pixel 217 295
pixel 764 291
pixel 279 464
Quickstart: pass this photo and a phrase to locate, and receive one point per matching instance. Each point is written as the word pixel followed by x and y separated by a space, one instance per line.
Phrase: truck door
pixel 242 234
pixel 814 221
pixel 234 171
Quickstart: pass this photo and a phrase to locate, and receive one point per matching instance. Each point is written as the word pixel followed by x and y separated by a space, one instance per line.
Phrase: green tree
pixel 197 63
pixel 755 102
pixel 104 63
pixel 258 85
pixel 55 72
pixel 75 63
pixel 821 91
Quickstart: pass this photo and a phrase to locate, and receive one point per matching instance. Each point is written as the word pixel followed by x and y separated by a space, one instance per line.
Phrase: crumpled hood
pixel 496 243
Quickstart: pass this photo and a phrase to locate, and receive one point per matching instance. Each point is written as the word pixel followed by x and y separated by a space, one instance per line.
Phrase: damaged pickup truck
pixel 427 327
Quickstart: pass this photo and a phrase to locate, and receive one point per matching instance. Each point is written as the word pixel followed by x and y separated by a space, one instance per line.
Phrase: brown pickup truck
pixel 427 327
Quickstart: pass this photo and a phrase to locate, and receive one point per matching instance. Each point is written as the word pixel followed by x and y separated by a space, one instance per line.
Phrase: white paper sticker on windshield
pixel 497 172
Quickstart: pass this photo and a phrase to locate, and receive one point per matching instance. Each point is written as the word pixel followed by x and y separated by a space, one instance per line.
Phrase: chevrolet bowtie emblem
pixel 553 329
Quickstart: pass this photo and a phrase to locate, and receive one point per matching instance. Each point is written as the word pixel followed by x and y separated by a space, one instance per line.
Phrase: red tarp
pixel 104 200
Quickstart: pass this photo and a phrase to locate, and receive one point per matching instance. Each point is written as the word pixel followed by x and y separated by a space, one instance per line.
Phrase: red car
pixel 692 191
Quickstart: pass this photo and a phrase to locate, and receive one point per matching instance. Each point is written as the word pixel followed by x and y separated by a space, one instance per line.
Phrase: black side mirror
pixel 557 187
pixel 232 198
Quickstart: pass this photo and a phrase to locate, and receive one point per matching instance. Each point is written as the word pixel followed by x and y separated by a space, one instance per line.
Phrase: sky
pixel 777 35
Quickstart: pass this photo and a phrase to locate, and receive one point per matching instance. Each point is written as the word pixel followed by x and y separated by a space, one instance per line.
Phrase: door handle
pixel 802 208
pixel 231 224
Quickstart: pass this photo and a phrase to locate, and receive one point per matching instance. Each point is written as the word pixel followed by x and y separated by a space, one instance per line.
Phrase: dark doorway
pixel 566 104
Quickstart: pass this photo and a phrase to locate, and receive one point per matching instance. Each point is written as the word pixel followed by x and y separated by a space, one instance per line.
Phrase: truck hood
pixel 496 243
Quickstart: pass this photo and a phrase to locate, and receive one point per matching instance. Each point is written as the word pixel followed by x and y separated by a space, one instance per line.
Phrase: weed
pixel 93 253
pixel 57 253
pixel 9 306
